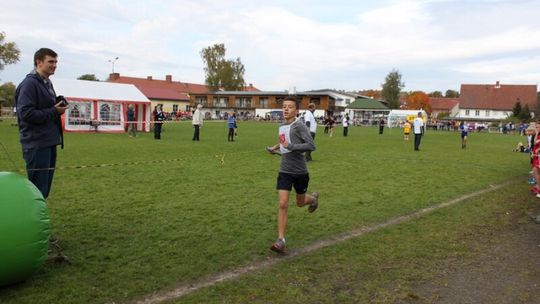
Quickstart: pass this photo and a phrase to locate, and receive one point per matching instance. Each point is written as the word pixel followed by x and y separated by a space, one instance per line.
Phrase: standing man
pixel 464 127
pixel 231 122
pixel 38 116
pixel 418 129
pixel 294 139
pixel 197 122
pixel 381 126
pixel 311 123
pixel 159 117
pixel 345 123
pixel 132 127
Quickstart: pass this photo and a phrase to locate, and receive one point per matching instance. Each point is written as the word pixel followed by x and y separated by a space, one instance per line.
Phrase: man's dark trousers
pixel 417 138
pixel 40 164
pixel 308 153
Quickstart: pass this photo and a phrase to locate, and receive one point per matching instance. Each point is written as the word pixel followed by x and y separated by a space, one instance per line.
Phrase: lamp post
pixel 112 61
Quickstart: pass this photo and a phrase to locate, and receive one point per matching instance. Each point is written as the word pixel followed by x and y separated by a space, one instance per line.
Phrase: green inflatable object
pixel 24 228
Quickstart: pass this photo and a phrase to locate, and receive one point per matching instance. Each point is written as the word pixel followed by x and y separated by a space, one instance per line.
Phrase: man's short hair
pixel 311 106
pixel 41 53
pixel 296 103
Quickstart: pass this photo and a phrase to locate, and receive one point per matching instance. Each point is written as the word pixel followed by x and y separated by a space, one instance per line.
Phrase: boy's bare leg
pixel 282 212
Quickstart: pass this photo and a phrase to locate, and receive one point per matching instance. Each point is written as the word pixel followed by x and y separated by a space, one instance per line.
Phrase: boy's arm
pixel 306 143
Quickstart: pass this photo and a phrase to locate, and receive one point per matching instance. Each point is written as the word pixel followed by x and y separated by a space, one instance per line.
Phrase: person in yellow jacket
pixel 406 129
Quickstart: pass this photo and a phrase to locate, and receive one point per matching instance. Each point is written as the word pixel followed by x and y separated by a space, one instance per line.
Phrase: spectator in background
pixel 418 129
pixel 197 122
pixel 381 126
pixel 132 126
pixel 464 127
pixel 231 123
pixel 311 123
pixel 406 129
pixel 159 117
pixel 345 123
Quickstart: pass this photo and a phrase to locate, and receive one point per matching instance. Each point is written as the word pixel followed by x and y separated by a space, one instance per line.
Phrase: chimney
pixel 168 78
pixel 497 85
pixel 114 76
pixel 148 77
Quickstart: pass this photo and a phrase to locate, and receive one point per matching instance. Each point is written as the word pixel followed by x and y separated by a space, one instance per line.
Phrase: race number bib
pixel 284 135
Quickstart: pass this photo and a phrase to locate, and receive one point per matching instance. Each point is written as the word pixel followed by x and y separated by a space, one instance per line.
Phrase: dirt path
pixel 506 269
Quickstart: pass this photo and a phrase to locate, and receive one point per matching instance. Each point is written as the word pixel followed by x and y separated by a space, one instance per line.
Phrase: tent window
pixel 109 114
pixel 79 113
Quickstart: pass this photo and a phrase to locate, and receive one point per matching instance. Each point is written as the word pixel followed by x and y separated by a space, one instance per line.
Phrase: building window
pixel 243 102
pixel 279 102
pixel 263 102
pixel 220 102
pixel 316 101
pixel 477 113
pixel 347 101
pixel 487 113
pixel 467 112
pixel 175 108
pixel 201 100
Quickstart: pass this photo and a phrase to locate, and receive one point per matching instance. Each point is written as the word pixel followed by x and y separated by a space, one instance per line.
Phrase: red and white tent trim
pixel 102 106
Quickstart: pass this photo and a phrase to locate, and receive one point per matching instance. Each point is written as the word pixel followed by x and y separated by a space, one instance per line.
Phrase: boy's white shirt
pixel 285 135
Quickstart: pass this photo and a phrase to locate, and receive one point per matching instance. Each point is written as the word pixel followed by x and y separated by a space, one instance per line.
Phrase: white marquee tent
pixel 97 106
pixel 396 118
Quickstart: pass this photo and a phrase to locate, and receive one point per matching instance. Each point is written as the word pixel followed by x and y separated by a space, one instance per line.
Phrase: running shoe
pixel 278 246
pixel 315 204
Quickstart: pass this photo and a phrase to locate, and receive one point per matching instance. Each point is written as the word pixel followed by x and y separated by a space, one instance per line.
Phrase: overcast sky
pixel 350 45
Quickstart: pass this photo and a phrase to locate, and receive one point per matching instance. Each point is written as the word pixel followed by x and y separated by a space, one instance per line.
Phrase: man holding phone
pixel 38 116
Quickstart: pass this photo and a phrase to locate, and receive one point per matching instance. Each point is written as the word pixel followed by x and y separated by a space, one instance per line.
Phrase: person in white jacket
pixel 197 122
pixel 311 123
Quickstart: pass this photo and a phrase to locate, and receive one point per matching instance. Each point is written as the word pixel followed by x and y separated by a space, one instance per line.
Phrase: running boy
pixel 294 140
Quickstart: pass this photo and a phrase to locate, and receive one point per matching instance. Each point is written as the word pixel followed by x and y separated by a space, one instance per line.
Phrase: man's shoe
pixel 278 246
pixel 315 203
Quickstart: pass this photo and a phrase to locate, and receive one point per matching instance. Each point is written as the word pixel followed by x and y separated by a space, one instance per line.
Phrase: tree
pixel 391 89
pixel 451 94
pixel 525 113
pixel 222 73
pixel 437 94
pixel 375 94
pixel 7 94
pixel 516 111
pixel 418 100
pixel 9 52
pixel 91 77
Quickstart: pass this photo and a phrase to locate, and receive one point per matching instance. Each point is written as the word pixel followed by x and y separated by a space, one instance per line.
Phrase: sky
pixel 285 44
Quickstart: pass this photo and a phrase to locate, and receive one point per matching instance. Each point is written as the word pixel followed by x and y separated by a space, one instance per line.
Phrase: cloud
pixel 308 44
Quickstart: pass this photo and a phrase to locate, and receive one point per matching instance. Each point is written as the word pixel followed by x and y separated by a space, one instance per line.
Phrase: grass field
pixel 210 206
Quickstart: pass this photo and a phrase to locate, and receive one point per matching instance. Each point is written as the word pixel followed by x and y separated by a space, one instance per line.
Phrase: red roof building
pixel 443 105
pixel 173 95
pixel 494 102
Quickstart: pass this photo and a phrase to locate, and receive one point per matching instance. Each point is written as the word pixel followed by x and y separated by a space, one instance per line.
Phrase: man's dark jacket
pixel 38 119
